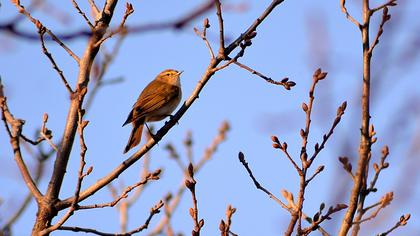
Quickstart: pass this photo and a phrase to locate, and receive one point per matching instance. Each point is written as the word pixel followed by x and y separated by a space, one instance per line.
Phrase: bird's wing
pixel 151 100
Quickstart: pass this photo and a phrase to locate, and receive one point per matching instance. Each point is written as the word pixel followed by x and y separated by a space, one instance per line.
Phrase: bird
pixel 157 101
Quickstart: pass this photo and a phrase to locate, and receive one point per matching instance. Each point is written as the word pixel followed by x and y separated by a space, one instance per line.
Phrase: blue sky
pixel 297 38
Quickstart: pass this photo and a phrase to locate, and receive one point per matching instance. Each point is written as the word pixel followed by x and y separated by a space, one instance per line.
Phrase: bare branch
pixel 151 176
pixel 221 29
pixel 401 222
pixel 121 28
pixel 176 24
pixel 340 112
pixel 190 183
pixel 174 119
pixel 14 134
pixel 344 10
pixel 19 210
pixel 378 169
pixel 203 36
pixel 82 13
pixel 318 218
pixel 389 3
pixel 176 197
pixel 81 175
pixel 385 17
pixel 258 185
pixel 284 82
pixel 155 210
pixel 277 145
pixel 94 9
pixel 317 171
pixel 39 25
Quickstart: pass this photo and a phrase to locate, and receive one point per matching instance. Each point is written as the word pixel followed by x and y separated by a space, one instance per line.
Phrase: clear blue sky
pixel 297 38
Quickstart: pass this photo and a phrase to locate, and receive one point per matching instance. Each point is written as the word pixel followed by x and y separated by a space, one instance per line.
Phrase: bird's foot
pixel 171 117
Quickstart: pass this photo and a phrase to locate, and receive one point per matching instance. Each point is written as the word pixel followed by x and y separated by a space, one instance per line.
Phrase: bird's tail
pixel 135 136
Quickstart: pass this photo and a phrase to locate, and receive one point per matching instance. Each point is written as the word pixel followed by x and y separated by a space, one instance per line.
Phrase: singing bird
pixel 157 101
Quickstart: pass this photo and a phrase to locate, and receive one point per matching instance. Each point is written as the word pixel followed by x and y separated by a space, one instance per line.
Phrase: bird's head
pixel 170 76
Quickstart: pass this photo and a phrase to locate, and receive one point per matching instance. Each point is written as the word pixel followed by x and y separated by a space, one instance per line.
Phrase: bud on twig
pixel 206 23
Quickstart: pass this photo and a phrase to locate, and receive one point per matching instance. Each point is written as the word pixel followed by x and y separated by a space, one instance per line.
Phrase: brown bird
pixel 157 101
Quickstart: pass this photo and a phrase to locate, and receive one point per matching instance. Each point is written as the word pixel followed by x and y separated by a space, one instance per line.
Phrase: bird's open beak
pixel 179 73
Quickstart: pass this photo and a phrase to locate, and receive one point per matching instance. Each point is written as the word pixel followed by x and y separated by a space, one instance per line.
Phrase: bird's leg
pixel 150 132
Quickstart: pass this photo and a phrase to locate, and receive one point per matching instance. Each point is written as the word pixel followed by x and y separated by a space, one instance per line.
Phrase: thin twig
pixel 176 197
pixel 190 183
pixel 145 171
pixel 317 221
pixel 318 148
pixel 121 28
pixel 385 17
pixel 401 222
pixel 284 82
pixel 235 58
pixel 221 29
pixel 28 140
pixel 384 202
pixel 258 185
pixel 378 168
pixel 155 210
pixel 82 13
pixel 389 3
pixel 176 24
pixel 94 8
pixel 203 36
pixel 39 25
pixel 283 147
pixel 151 176
pixel 317 171
pixel 344 10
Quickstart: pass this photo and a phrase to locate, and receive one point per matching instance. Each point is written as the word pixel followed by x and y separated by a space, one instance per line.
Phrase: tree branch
pixel 174 120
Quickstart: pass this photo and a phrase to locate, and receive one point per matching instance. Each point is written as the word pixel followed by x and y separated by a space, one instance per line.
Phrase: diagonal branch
pixel 385 17
pixel 284 82
pixel 175 118
pixel 344 10
pixel 401 222
pixel 203 36
pixel 39 25
pixel 82 13
pixel 258 185
pixel 41 32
